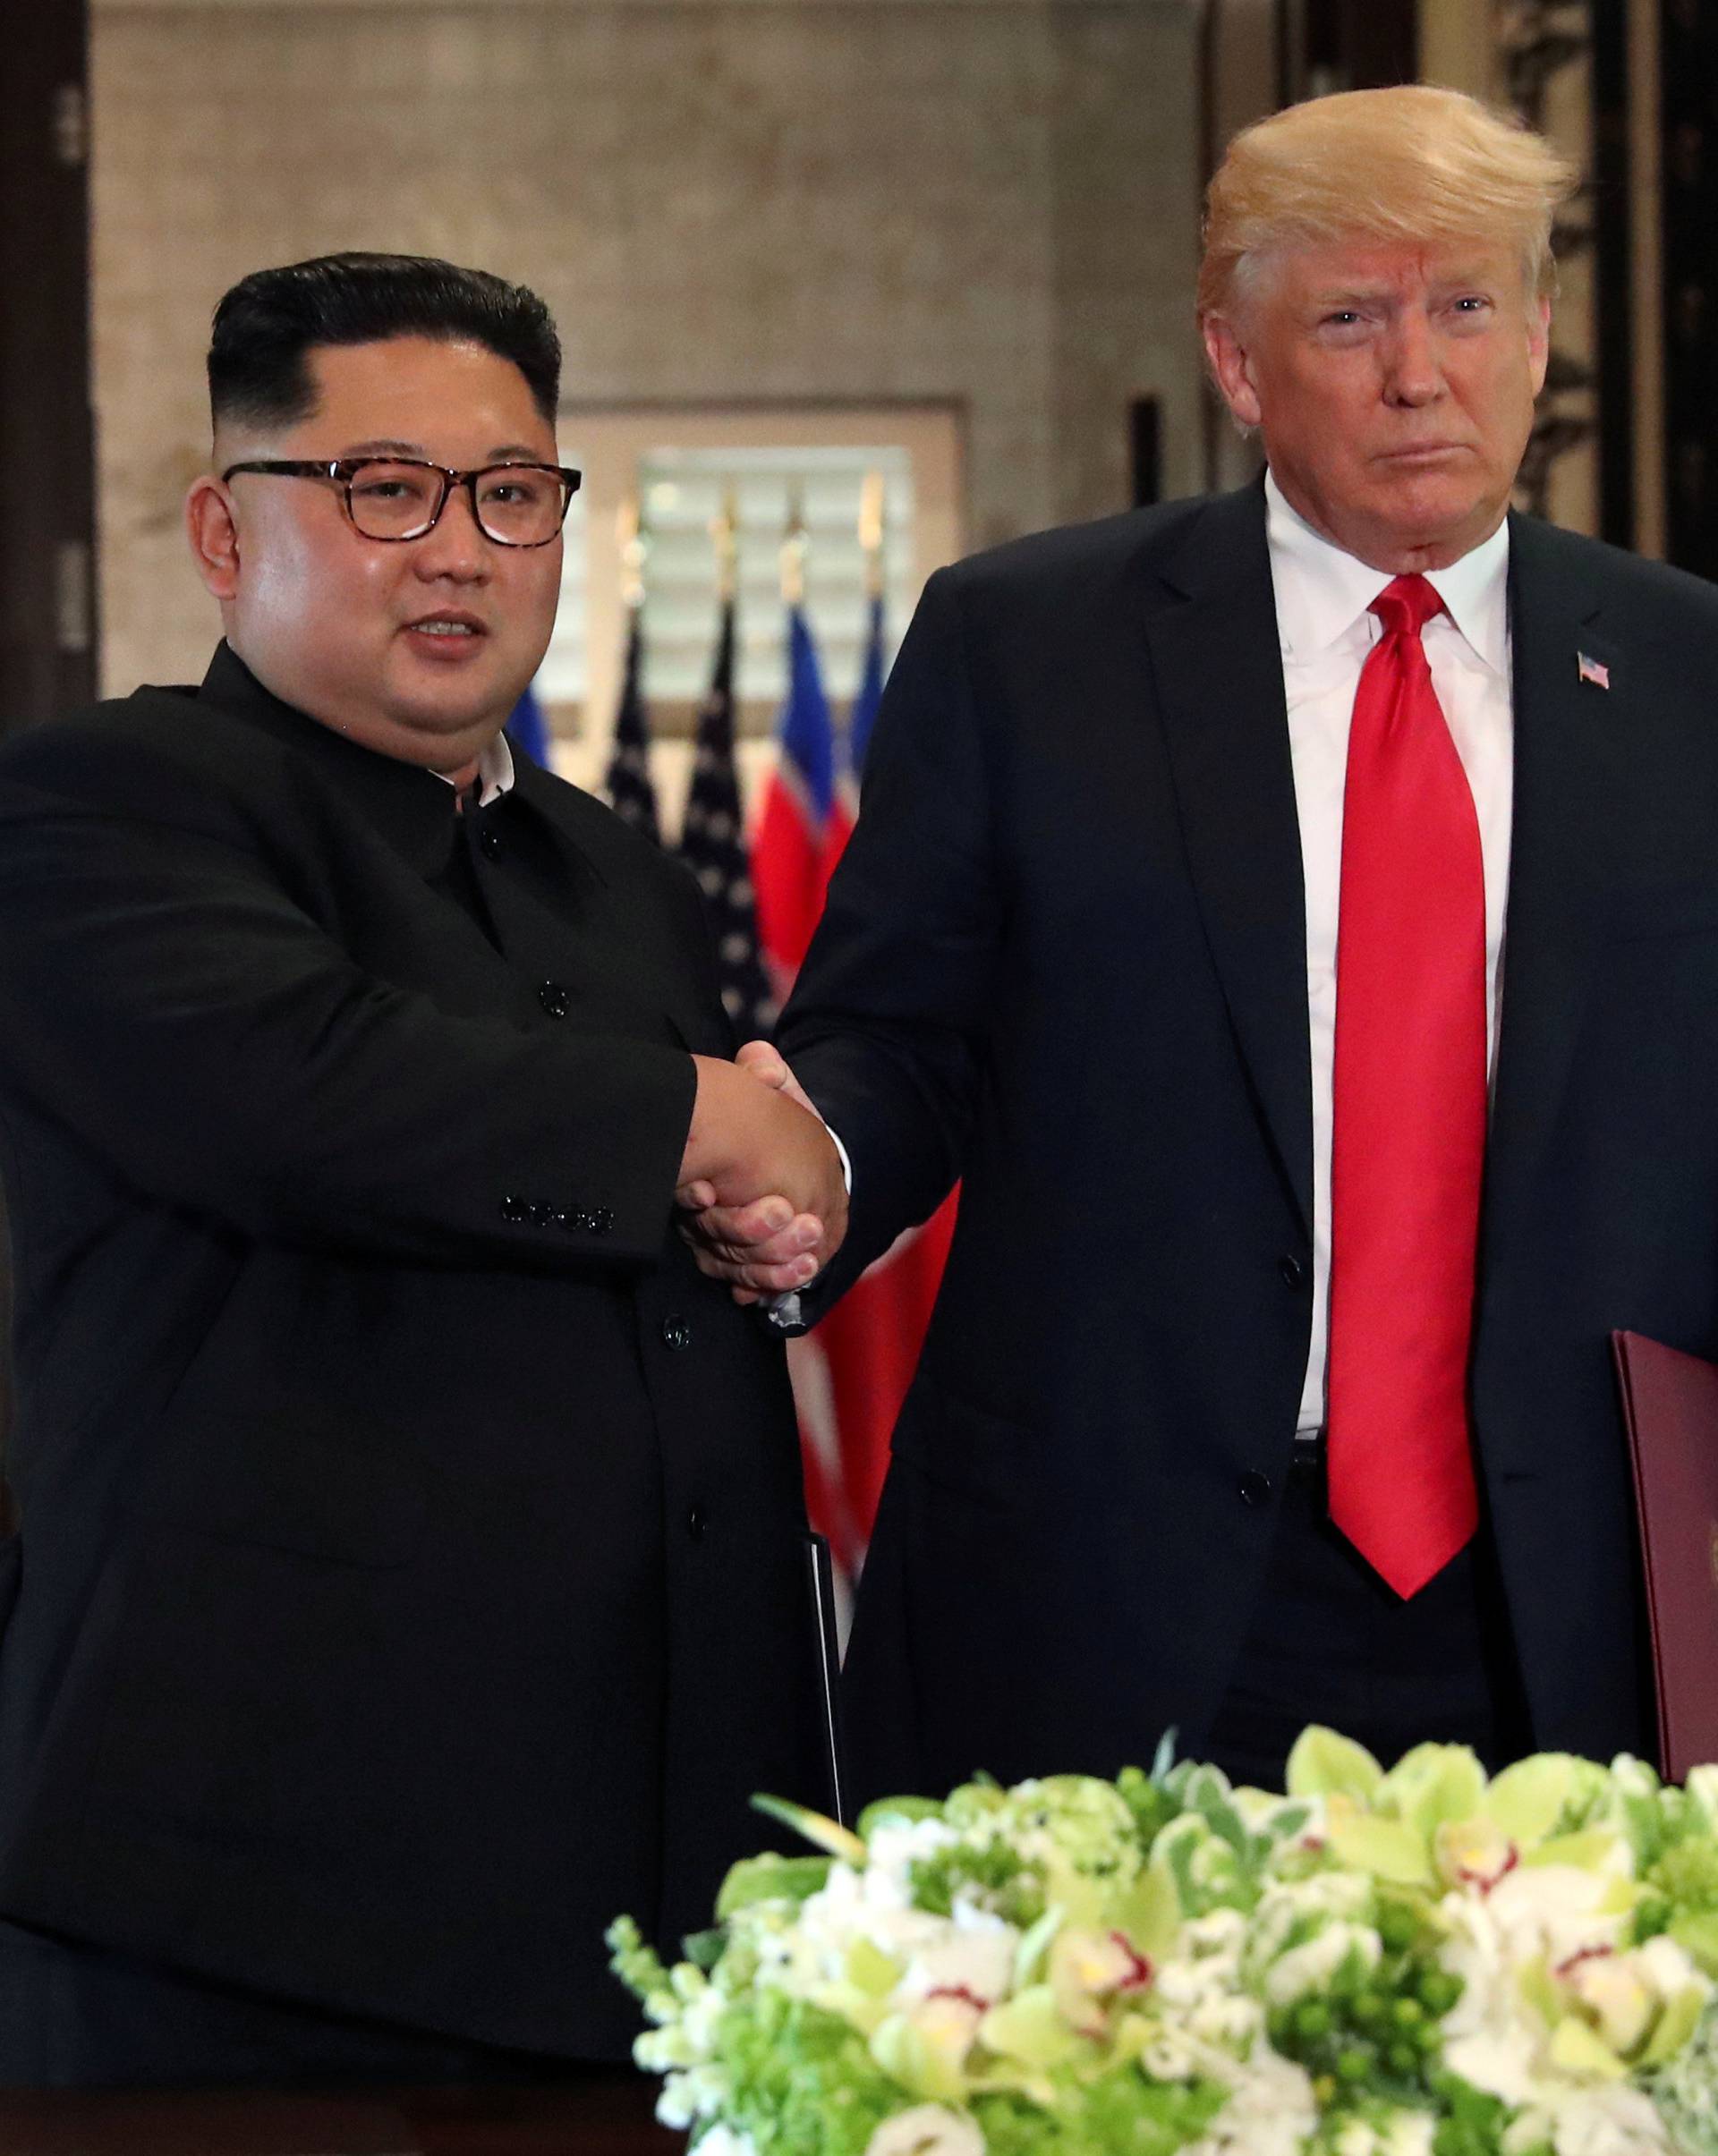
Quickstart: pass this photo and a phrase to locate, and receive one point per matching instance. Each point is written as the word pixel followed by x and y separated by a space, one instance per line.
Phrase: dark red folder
pixel 1670 1404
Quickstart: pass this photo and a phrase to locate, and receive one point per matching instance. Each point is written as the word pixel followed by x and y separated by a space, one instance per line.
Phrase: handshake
pixel 761 1191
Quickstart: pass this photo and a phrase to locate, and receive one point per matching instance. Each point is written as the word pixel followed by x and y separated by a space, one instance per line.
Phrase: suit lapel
pixel 1570 758
pixel 1211 627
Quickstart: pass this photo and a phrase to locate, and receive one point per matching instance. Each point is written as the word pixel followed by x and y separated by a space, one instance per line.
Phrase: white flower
pixel 1230 2020
pixel 1667 1967
pixel 1311 1966
pixel 1219 1931
pixel 928 2129
pixel 896 1844
pixel 1172 2054
pixel 1621 2003
pixel 1500 2061
pixel 1407 2134
pixel 1288 1906
pixel 723 2141
pixel 971 1953
pixel 947 2026
pixel 1611 2119
pixel 1551 1913
pixel 1271 2112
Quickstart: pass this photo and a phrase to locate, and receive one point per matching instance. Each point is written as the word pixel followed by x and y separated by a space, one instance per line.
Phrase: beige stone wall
pixel 990 201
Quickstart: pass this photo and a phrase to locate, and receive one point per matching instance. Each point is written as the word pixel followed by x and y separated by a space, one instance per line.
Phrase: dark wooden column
pixel 1689 123
pixel 1357 44
pixel 48 615
pixel 47 626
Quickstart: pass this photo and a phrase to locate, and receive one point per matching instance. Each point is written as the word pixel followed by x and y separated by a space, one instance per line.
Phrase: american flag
pixel 628 786
pixel 851 1373
pixel 712 844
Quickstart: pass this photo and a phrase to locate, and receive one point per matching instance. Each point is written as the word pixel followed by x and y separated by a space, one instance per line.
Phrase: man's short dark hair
pixel 269 321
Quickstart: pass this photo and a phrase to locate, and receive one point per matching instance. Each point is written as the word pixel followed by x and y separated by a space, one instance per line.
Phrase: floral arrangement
pixel 1416 1963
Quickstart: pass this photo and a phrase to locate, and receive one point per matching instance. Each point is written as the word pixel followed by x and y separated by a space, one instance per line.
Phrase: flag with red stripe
pixel 790 845
pixel 851 1374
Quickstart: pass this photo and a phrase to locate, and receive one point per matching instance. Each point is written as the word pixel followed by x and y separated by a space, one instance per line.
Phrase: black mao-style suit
pixel 409 1575
pixel 1064 958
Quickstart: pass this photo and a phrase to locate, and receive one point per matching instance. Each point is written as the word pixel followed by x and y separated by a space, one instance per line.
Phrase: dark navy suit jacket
pixel 1064 960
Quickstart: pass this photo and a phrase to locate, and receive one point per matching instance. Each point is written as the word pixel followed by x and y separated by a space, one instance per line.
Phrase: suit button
pixel 489 839
pixel 697 1520
pixel 676 1333
pixel 515 1211
pixel 1253 1489
pixel 1294 1273
pixel 602 1220
pixel 545 1215
pixel 556 1000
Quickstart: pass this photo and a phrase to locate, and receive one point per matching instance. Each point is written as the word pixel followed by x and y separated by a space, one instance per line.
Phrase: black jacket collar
pixel 411 807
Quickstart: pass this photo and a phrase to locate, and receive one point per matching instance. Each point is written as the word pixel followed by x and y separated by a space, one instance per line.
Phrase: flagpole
pixel 724 536
pixel 794 546
pixel 870 532
pixel 634 546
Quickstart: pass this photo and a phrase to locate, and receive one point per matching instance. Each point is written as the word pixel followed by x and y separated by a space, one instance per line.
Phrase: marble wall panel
pixel 989 200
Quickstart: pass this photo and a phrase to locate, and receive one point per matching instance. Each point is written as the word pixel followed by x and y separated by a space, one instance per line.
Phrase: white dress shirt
pixel 495 772
pixel 1325 631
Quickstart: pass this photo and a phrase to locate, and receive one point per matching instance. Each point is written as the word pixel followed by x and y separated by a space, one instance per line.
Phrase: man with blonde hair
pixel 1293 916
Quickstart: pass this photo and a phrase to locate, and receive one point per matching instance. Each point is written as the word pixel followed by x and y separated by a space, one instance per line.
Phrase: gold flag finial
pixel 724 534
pixel 870 532
pixel 634 544
pixel 794 546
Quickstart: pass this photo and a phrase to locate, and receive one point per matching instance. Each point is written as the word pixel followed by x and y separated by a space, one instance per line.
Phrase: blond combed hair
pixel 1414 164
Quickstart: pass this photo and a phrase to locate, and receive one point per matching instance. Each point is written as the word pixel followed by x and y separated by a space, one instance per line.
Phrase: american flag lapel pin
pixel 1590 669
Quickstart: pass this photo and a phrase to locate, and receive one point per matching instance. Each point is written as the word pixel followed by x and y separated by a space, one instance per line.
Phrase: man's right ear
pixel 214 535
pixel 1230 368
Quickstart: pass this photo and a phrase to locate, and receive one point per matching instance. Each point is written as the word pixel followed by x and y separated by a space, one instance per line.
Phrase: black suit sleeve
pixel 887 1028
pixel 166 997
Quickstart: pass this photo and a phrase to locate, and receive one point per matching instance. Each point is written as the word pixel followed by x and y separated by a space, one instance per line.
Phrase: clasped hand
pixel 763 1199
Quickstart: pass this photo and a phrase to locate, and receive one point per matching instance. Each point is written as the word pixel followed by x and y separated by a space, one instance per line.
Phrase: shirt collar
pixel 494 771
pixel 1322 592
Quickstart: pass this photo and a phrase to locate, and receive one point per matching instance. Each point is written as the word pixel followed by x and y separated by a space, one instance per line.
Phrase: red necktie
pixel 1409 1118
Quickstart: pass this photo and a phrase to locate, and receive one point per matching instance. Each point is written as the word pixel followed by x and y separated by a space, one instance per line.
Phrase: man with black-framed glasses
pixel 409 1575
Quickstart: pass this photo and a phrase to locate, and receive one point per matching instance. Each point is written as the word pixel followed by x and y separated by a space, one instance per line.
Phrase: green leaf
pixel 1322 1764
pixel 924 2068
pixel 1433 1785
pixel 1529 1800
pixel 820 1832
pixel 1577 2050
pixel 1674 2027
pixel 1697 1935
pixel 1028 2027
pixel 754 1879
pixel 1388 1848
pixel 872 1971
pixel 1538 1987
pixel 1150 1913
pixel 1591 1849
pixel 897 1811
